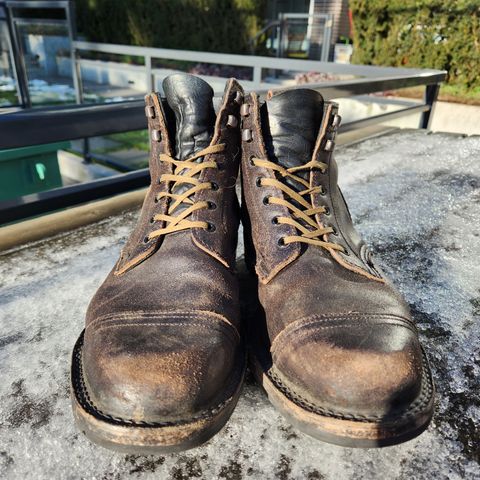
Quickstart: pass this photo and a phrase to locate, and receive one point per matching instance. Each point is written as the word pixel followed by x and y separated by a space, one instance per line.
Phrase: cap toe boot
pixel 333 342
pixel 160 363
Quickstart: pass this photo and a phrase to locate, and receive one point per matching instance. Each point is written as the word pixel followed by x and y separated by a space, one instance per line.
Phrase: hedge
pixel 441 34
pixel 203 25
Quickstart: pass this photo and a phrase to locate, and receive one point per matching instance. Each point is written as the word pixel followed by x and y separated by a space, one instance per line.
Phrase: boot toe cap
pixel 159 371
pixel 365 367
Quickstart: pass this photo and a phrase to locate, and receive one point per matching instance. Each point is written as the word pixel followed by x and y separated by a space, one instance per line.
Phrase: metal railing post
pixel 72 34
pixel 148 73
pixel 257 76
pixel 430 98
pixel 327 38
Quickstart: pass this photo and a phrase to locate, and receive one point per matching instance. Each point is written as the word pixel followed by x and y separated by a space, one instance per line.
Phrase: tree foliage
pixel 203 25
pixel 441 34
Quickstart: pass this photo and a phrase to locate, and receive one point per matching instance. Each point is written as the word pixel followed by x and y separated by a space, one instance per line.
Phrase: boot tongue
pixel 290 122
pixel 191 100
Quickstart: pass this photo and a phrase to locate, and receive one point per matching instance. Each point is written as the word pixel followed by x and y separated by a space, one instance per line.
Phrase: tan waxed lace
pixel 307 213
pixel 184 172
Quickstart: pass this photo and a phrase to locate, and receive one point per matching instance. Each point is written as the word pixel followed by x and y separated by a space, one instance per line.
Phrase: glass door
pixel 45 48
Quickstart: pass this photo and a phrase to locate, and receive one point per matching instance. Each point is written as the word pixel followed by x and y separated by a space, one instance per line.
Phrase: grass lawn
pixel 137 139
pixel 8 98
pixel 448 93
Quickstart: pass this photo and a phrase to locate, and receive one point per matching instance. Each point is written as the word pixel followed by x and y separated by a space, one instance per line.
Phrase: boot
pixel 333 343
pixel 160 363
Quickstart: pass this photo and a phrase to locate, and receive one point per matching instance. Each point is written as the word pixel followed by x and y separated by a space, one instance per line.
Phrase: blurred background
pixel 60 59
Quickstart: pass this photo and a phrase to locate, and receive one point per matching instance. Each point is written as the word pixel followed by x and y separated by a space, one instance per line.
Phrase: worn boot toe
pixel 151 370
pixel 340 366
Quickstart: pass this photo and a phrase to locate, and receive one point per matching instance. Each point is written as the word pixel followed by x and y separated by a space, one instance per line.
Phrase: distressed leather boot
pixel 160 363
pixel 333 342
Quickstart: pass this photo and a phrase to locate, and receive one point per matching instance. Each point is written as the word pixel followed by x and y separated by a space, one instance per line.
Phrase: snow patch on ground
pixel 416 199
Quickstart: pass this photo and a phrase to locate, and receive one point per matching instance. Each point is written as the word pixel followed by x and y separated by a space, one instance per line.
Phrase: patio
pixel 415 197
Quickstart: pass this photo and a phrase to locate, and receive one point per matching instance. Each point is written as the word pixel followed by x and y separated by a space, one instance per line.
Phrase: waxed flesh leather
pixel 163 333
pixel 333 328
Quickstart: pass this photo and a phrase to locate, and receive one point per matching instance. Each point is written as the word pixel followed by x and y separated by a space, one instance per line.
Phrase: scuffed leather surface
pixel 361 364
pixel 163 338
pixel 338 215
pixel 316 284
pixel 225 216
pixel 136 249
pixel 337 338
pixel 270 258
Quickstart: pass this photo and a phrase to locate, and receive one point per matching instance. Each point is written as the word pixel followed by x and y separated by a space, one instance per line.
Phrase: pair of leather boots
pixel 162 358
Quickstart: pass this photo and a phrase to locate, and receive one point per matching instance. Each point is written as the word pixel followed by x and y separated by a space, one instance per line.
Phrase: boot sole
pixel 129 436
pixel 344 429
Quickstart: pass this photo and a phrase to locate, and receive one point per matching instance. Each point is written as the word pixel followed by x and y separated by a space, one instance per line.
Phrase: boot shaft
pixel 293 130
pixel 180 126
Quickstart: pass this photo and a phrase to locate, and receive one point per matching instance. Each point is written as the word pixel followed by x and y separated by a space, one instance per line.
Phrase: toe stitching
pixel 340 321
pixel 200 318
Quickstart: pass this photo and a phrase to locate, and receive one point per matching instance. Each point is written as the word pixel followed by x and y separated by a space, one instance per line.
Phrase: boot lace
pixel 184 172
pixel 303 218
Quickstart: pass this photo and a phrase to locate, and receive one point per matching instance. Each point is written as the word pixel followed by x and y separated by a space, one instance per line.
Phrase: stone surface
pixel 416 199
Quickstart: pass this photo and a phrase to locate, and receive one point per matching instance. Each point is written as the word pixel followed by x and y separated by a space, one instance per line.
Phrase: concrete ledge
pixel 37 228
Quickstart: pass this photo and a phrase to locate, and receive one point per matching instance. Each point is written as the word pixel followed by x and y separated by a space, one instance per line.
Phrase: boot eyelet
pixel 152 220
pixel 275 220
pixel 247 135
pixel 155 200
pixel 232 121
pixel 345 252
pixel 214 186
pixel 238 99
pixel 323 191
pixel 245 110
pixel 258 181
pixel 212 205
pixel 146 239
pixel 327 211
pixel 211 227
pixel 266 200
pixel 334 230
pixel 251 161
pixel 337 120
pixel 150 111
pixel 329 145
pixel 281 242
pixel 156 135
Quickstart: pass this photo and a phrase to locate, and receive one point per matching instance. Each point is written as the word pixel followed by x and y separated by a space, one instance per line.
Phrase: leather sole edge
pixel 347 432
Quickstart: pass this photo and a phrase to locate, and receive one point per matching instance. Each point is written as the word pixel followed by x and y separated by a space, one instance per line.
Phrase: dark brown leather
pixel 163 333
pixel 336 333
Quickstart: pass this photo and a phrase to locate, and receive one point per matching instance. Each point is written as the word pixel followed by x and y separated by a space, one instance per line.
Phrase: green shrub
pixel 441 34
pixel 203 25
